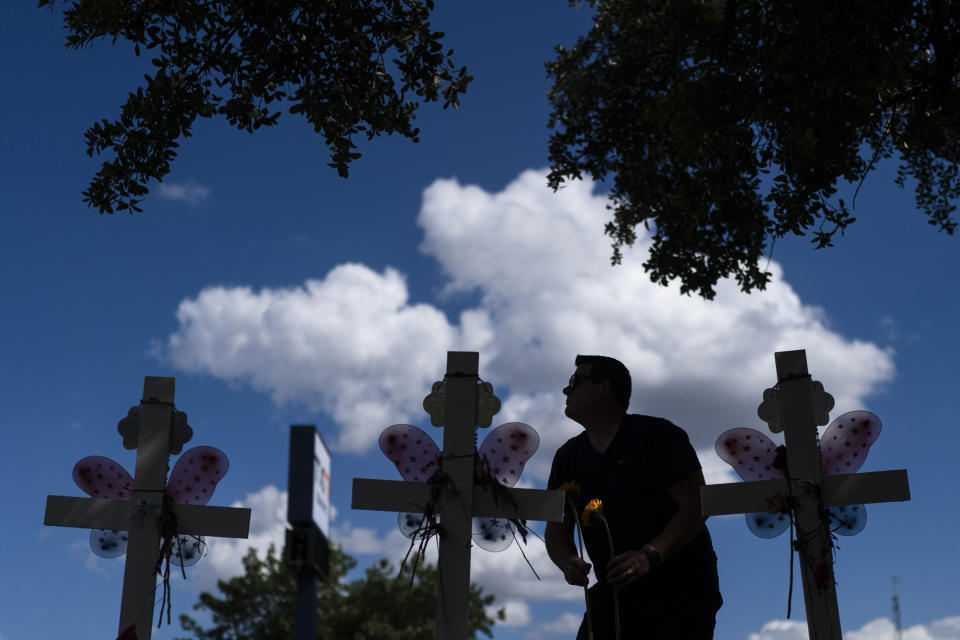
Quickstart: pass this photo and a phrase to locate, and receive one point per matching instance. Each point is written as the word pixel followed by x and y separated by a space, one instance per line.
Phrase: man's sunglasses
pixel 577 377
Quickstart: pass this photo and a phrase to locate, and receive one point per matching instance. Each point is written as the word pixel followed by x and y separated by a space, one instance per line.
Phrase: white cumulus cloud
pixel 517 613
pixel 189 192
pixel 350 345
pixel 541 262
pixel 943 629
pixel 224 559
pixel 354 346
pixel 782 630
pixel 505 574
pixel 565 626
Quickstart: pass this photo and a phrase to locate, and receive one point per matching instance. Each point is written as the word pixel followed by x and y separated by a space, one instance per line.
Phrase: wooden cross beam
pixel 461 501
pixel 138 516
pixel 795 397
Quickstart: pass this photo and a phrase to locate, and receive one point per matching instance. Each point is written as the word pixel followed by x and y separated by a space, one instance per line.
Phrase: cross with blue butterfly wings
pixel 810 483
pixel 460 499
pixel 126 509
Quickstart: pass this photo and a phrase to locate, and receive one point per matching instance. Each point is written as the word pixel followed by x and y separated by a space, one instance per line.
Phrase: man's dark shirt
pixel 631 477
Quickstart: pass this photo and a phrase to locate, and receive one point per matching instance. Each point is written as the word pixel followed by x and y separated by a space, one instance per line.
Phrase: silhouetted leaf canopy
pixel 261 603
pixel 723 125
pixel 348 66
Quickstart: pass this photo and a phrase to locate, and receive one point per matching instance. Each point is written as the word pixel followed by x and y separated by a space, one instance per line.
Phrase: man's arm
pixel 680 530
pixel 558 537
pixel 688 519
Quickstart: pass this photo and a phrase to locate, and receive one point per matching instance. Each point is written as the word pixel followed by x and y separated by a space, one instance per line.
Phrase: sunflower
pixel 595 506
pixel 594 509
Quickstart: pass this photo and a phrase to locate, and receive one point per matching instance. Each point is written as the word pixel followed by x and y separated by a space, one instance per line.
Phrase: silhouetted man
pixel 648 478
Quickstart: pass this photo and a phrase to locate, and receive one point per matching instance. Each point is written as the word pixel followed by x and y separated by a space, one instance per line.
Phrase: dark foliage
pixel 348 66
pixel 261 604
pixel 726 124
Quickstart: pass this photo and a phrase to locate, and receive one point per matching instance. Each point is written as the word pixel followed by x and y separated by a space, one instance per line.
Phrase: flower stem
pixel 586 592
pixel 616 598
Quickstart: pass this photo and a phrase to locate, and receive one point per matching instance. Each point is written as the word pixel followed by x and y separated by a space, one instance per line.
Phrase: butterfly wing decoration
pixel 417 458
pixel 843 449
pixel 504 452
pixel 752 454
pixel 196 475
pixel 192 481
pixel 102 477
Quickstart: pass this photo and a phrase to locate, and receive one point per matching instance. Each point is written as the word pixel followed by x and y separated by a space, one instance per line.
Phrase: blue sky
pixel 278 293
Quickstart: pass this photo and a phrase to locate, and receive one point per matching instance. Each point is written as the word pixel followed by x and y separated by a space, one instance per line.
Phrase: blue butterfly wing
pixel 414 525
pixel 767 525
pixel 493 534
pixel 187 550
pixel 108 543
pixel 848 519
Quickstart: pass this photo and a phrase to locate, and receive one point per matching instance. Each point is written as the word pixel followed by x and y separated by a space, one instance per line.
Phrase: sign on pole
pixel 308 511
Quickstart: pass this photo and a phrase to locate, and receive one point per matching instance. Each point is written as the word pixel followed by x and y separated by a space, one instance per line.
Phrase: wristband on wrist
pixel 653 556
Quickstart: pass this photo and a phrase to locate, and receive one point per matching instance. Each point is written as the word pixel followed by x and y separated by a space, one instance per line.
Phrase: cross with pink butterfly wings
pixel 824 494
pixel 123 510
pixel 465 509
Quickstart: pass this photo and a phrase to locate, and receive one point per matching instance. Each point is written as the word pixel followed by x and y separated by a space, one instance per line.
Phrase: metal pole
pixel 897 627
pixel 306 621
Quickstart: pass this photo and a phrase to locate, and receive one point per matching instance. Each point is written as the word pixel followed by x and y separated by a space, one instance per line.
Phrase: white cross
pixel 149 483
pixel 796 409
pixel 458 503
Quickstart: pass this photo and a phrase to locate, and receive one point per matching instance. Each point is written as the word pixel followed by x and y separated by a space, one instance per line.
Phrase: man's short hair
pixel 606 368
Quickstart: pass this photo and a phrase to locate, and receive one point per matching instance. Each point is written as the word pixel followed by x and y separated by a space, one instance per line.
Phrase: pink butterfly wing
pixel 750 453
pixel 196 475
pixel 415 454
pixel 845 443
pixel 102 477
pixel 507 449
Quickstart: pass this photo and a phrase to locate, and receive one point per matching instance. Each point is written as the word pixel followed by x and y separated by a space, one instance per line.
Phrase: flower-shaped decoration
pixel 504 453
pixel 434 402
pixel 822 404
pixel 843 449
pixel 487 404
pixel 769 409
pixel 180 431
pixel 129 428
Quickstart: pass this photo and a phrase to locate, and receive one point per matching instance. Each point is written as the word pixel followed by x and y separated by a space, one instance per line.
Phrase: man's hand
pixel 559 541
pixel 627 567
pixel 575 570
